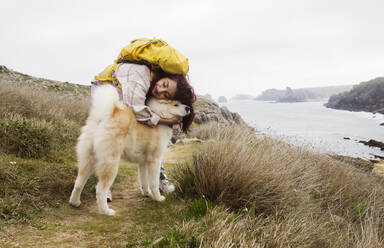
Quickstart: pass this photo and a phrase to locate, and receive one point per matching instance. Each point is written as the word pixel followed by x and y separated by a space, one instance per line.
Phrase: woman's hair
pixel 184 94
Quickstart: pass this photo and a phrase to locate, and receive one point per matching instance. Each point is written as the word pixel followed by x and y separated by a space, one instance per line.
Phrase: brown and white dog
pixel 112 132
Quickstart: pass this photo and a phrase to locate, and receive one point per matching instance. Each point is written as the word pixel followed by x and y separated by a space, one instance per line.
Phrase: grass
pixel 29 186
pixel 23 139
pixel 39 132
pixel 233 190
pixel 292 197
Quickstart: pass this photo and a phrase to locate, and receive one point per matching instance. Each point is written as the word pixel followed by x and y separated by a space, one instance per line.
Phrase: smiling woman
pixel 165 88
pixel 175 87
pixel 138 81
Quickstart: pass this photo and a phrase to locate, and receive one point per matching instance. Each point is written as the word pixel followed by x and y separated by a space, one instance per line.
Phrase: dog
pixel 112 132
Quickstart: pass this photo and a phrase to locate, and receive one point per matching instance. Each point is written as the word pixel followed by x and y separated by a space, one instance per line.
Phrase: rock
pixel 4 69
pixel 377 156
pixel 177 134
pixel 297 95
pixel 304 93
pixel 237 119
pixel 226 114
pixel 208 110
pixel 367 96
pixel 382 124
pixel 373 143
pixel 222 99
pixel 206 96
pixel 359 163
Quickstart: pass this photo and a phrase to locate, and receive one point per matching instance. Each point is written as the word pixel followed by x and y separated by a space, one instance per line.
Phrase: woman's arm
pixel 171 121
pixel 135 82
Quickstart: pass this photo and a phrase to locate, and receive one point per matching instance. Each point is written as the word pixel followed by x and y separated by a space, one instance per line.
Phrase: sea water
pixel 311 124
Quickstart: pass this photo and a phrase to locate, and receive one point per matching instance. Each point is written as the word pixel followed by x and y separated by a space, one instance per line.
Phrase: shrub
pixel 299 198
pixel 233 171
pixel 24 139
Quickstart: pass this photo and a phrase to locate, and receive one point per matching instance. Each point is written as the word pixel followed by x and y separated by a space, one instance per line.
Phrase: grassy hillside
pixel 39 126
pixel 233 190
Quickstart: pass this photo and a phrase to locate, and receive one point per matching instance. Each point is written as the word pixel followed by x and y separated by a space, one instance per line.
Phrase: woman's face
pixel 165 88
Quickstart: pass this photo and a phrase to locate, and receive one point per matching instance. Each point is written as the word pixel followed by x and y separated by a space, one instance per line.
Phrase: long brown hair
pixel 184 94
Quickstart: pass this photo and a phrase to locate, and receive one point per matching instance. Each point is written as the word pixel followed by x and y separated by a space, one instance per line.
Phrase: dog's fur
pixel 112 132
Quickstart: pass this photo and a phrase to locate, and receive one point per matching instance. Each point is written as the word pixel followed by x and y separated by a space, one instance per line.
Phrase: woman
pixel 137 87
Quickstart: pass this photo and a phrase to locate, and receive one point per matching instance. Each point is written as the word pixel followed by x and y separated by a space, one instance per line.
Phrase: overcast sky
pixel 234 47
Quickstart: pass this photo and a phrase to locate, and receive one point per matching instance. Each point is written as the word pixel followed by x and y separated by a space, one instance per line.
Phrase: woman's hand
pixel 171 121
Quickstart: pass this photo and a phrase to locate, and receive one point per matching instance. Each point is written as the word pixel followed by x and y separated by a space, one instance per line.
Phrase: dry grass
pixel 39 124
pixel 205 131
pixel 291 197
pixel 265 193
pixel 38 132
pixel 41 105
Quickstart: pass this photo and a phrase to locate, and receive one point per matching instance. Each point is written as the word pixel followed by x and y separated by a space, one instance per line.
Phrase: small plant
pixel 197 209
pixel 24 139
pixel 176 238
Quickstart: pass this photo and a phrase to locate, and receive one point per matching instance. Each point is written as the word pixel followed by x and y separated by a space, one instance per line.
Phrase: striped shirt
pixel 135 82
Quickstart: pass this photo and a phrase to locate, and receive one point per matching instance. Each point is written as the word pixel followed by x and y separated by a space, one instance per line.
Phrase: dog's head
pixel 168 108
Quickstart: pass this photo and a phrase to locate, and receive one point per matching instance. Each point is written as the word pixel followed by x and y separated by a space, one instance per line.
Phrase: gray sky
pixel 234 47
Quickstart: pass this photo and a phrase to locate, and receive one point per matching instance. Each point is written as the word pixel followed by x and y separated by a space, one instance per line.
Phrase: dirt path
pixel 83 226
pixel 137 223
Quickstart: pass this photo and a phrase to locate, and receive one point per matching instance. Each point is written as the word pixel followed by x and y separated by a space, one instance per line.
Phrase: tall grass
pixel 39 124
pixel 289 196
pixel 38 131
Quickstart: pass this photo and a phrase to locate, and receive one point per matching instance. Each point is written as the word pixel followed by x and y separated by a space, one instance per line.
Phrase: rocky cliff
pixel 208 110
pixel 367 96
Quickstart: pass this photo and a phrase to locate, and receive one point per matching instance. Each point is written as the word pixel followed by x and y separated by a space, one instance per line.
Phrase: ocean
pixel 311 124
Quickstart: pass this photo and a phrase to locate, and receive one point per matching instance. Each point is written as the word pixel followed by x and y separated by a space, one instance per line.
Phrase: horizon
pixel 242 48
pixel 209 95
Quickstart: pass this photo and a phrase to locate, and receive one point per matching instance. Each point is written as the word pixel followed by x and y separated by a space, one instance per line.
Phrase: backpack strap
pixel 106 76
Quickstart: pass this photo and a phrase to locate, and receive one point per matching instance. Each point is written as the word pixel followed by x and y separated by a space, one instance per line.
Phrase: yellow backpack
pixel 155 52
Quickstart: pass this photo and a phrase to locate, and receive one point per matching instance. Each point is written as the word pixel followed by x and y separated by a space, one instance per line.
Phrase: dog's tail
pixel 104 100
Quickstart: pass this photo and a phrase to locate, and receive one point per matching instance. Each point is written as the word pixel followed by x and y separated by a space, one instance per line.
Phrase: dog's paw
pixel 160 198
pixel 75 204
pixel 109 212
pixel 146 193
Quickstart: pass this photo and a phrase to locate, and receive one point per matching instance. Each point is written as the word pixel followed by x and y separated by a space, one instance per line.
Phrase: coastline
pixel 324 130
